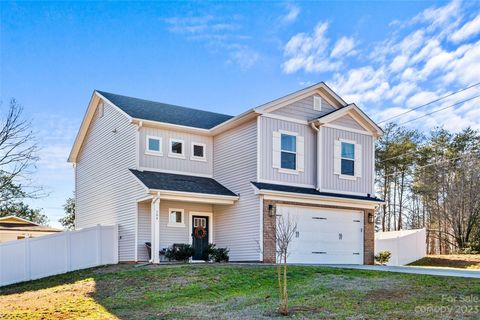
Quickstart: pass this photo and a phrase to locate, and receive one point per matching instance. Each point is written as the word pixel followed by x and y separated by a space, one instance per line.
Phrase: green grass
pixel 238 292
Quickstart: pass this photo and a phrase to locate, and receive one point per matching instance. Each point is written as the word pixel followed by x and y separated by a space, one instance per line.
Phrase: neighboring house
pixel 168 174
pixel 15 228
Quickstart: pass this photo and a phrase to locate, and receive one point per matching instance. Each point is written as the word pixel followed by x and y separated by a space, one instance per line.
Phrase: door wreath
pixel 200 232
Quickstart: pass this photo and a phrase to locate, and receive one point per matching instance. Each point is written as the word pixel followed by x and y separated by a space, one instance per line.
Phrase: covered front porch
pixel 170 217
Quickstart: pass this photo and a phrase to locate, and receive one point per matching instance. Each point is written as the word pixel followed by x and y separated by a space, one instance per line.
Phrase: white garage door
pixel 325 236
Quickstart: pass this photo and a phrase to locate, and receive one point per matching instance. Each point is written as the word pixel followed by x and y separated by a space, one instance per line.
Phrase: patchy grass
pixel 239 292
pixel 462 261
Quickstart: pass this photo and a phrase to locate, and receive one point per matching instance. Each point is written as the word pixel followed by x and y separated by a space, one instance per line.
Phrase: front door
pixel 199 236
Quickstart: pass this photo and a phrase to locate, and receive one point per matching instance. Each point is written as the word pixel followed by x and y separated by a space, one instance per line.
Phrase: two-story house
pixel 168 174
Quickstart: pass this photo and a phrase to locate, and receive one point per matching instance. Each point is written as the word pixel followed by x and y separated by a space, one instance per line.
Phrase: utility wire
pixel 429 103
pixel 413 152
pixel 441 109
pixel 430 164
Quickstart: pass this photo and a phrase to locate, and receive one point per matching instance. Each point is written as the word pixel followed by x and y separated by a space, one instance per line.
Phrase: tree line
pixel 430 181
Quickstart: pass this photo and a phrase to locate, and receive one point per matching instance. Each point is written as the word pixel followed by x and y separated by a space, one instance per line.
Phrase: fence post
pixel 1 276
pixel 68 263
pixel 28 269
pixel 99 244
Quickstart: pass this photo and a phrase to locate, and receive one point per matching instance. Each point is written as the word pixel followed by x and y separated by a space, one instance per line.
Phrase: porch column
pixel 155 234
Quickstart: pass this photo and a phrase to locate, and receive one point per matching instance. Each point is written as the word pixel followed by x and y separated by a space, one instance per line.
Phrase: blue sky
pixel 227 57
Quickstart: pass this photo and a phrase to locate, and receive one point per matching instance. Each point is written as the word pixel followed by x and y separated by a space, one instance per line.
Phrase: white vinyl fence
pixel 405 245
pixel 34 258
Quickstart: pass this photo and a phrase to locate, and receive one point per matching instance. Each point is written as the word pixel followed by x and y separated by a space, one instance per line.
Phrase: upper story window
pixel 153 145
pixel 288 152
pixel 177 148
pixel 198 151
pixel 348 159
pixel 176 218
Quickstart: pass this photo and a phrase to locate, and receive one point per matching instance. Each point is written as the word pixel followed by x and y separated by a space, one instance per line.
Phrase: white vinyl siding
pixel 330 174
pixel 238 226
pixel 187 164
pixel 304 109
pixel 106 191
pixel 144 230
pixel 270 154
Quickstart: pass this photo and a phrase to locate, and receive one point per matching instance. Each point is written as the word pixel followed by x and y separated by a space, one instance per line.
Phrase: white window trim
pixel 286 170
pixel 176 155
pixel 346 176
pixel 176 224
pixel 153 152
pixel 193 157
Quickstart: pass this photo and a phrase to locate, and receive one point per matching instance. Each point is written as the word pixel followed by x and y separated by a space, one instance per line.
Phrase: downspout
pixel 314 127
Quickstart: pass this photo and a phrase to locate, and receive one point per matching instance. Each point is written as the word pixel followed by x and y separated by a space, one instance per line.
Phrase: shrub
pixel 180 252
pixel 383 257
pixel 212 253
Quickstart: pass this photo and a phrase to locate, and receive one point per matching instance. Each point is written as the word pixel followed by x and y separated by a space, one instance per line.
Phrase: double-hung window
pixel 348 159
pixel 288 152
pixel 153 145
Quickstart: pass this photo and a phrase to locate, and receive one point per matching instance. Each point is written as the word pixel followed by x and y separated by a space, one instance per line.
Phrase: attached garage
pixel 325 236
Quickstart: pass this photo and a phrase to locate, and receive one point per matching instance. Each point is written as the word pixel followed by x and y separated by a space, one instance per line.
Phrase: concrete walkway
pixel 450 272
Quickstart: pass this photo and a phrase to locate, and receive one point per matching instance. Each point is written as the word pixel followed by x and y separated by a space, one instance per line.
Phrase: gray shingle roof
pixel 180 182
pixel 311 191
pixel 163 112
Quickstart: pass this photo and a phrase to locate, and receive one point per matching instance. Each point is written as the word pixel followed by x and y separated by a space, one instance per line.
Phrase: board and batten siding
pixel 332 181
pixel 237 226
pixel 303 109
pixel 348 122
pixel 105 190
pixel 164 162
pixel 267 171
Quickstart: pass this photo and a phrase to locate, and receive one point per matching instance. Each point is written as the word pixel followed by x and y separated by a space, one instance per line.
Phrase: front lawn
pixel 462 261
pixel 239 292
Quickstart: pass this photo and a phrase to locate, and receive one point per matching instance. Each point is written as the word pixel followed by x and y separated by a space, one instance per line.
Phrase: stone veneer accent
pixel 269 223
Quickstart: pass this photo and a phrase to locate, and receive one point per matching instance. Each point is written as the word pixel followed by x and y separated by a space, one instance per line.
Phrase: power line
pixel 429 103
pixel 413 152
pixel 431 164
pixel 438 110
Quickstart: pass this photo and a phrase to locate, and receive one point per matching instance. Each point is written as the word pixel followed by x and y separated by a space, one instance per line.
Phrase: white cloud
pixel 469 29
pixel 309 52
pixel 415 64
pixel 292 14
pixel 243 56
pixel 217 34
pixel 343 47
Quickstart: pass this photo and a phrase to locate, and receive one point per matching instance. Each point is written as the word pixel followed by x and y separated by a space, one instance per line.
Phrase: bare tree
pixel 286 227
pixel 18 150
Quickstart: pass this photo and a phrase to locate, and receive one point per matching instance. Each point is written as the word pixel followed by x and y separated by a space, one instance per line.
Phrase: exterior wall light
pixel 271 210
pixel 370 217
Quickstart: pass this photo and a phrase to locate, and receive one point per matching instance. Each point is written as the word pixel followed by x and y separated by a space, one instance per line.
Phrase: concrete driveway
pixel 449 272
